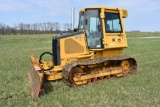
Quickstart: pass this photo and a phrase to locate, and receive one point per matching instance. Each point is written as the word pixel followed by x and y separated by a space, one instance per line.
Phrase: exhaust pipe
pixel 73 16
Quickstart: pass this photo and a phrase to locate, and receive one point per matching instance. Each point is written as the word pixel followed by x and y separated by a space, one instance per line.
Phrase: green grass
pixel 25 37
pixel 141 89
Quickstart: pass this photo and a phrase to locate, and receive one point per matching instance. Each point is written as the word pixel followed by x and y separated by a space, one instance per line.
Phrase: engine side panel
pixel 72 46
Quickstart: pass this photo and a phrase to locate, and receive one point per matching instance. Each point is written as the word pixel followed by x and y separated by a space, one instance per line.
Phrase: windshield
pixel 112 22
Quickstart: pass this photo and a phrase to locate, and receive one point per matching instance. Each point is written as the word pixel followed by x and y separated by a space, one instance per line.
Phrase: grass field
pixel 142 89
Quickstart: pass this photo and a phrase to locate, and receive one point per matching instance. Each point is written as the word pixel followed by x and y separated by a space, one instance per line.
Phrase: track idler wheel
pixel 76 72
pixel 125 64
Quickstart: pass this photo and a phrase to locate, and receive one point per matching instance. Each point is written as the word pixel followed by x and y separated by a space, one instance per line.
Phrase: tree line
pixel 35 28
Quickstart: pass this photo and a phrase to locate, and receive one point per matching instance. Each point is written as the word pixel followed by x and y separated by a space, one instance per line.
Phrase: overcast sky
pixel 144 15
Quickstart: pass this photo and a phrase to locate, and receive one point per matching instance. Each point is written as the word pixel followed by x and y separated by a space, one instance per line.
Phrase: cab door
pixel 93 29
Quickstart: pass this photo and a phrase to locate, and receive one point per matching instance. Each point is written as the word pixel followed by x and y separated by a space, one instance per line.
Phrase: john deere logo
pixel 78 36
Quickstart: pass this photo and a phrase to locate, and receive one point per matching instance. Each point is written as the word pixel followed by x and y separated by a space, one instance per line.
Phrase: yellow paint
pixel 75 49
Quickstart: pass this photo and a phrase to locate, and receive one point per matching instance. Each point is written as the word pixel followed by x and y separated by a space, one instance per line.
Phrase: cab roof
pixel 124 11
pixel 99 7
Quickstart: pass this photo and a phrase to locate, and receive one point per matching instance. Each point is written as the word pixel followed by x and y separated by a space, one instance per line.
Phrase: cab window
pixel 113 24
pixel 81 21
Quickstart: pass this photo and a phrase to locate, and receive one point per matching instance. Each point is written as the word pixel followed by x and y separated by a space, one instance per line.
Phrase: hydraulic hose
pixel 40 60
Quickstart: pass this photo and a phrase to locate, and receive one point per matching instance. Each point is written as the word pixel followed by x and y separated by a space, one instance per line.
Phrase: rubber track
pixel 67 68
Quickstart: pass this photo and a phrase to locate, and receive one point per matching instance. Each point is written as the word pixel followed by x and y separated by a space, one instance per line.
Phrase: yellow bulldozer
pixel 90 54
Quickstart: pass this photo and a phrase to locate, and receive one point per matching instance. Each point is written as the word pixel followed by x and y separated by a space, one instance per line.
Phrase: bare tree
pixel 35 28
pixel 2 27
pixel 21 28
pixel 67 26
pixel 57 26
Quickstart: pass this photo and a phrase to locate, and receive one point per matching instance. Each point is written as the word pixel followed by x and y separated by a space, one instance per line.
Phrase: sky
pixel 144 15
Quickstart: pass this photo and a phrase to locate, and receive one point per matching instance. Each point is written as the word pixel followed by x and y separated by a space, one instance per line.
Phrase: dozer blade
pixel 36 77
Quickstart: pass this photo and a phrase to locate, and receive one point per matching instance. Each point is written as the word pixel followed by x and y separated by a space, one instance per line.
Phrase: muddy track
pixel 67 68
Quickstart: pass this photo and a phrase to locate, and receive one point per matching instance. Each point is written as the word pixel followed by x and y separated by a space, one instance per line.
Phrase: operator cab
pixel 91 22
